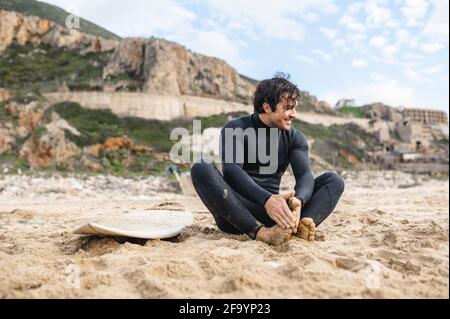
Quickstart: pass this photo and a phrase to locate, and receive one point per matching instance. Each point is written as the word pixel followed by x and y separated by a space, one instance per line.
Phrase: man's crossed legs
pixel 235 214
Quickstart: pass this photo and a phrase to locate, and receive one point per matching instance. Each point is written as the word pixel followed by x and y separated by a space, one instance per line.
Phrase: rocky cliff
pixel 153 66
pixel 382 111
pixel 156 65
pixel 170 69
pixel 55 14
pixel 16 27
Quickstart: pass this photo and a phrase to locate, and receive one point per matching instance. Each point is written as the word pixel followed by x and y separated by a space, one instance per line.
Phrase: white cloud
pixel 378 41
pixel 411 56
pixel 377 76
pixel 404 37
pixel 390 49
pixel 403 34
pixel 355 8
pixel 359 63
pixel 272 19
pixel 310 17
pixel 323 55
pixel 356 38
pixel 432 70
pixel 215 43
pixel 306 59
pixel 378 16
pixel 414 11
pixel 437 26
pixel 329 33
pixel 352 24
pixel 389 91
pixel 431 47
pixel 413 75
pixel 339 42
pixel 140 18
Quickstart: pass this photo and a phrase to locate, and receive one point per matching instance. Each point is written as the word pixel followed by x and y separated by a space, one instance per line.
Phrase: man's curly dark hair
pixel 271 91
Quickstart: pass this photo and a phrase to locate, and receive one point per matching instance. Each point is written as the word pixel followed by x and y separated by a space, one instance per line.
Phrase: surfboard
pixel 148 224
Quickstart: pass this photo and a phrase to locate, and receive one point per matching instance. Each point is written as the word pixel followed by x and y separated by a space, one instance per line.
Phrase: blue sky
pixel 390 51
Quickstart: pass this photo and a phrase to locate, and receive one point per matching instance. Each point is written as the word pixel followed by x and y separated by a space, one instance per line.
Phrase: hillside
pixel 68 137
pixel 38 57
pixel 55 14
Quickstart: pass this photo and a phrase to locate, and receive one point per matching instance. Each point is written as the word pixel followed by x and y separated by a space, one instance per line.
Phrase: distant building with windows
pixel 344 103
pixel 424 116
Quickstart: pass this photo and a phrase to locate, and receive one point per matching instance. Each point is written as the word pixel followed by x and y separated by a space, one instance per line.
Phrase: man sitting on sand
pixel 246 199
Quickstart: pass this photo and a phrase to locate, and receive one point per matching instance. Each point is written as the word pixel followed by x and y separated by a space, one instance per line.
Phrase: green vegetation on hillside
pixel 53 13
pixel 43 67
pixel 328 141
pixel 96 126
pixel 352 110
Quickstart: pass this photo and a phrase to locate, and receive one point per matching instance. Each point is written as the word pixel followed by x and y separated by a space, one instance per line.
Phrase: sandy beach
pixel 388 238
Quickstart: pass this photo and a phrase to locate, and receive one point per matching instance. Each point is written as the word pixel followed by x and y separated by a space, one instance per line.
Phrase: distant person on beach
pixel 255 152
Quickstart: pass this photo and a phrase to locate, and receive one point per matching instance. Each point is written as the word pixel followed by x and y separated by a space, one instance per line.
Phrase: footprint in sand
pixel 93 245
pixel 13 249
pixel 403 267
pixel 390 238
pixel 369 221
pixel 146 287
pixel 22 214
pixel 349 263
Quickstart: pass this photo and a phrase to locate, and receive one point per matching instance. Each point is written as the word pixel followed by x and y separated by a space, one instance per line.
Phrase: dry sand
pixel 388 238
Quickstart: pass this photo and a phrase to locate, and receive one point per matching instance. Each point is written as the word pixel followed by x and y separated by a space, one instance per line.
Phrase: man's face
pixel 284 115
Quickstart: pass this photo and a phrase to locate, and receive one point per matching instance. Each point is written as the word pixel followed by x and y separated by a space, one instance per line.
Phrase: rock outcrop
pixel 41 138
pixel 7 140
pixel 47 150
pixel 47 145
pixel 114 144
pixel 16 27
pixel 310 103
pixel 382 111
pixel 159 66
pixel 168 68
pixel 5 95
pixel 28 116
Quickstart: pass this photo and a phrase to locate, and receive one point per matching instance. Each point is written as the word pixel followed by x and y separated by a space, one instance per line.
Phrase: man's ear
pixel 266 108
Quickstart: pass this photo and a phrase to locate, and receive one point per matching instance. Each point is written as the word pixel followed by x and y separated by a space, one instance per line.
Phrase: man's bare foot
pixel 306 229
pixel 295 206
pixel 274 235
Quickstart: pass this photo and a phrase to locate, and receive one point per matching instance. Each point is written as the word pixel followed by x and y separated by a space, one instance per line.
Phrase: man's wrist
pixel 266 199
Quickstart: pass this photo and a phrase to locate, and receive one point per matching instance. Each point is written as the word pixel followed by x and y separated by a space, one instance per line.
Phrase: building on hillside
pixel 424 116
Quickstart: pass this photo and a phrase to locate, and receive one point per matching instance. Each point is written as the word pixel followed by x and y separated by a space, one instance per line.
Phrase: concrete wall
pixel 158 107
pixel 327 120
pixel 164 107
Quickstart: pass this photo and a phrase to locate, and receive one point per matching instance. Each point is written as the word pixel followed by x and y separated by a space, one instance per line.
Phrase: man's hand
pixel 296 207
pixel 278 210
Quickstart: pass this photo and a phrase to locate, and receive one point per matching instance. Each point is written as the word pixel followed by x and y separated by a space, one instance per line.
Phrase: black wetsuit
pixel 236 199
